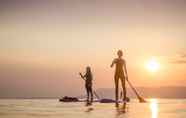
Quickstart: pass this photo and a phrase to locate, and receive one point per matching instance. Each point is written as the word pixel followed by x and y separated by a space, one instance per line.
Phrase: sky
pixel 45 44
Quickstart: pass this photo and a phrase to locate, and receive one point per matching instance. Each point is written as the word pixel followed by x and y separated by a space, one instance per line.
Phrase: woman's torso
pixel 88 78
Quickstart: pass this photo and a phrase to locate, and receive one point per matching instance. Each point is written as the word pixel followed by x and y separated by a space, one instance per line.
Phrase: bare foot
pixel 117 104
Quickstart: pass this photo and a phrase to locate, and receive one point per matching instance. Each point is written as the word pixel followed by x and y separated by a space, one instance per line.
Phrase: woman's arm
pixel 82 75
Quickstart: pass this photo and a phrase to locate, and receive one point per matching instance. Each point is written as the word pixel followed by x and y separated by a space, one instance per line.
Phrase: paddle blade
pixel 141 100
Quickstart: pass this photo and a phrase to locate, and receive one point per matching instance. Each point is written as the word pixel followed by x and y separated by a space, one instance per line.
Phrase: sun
pixel 152 65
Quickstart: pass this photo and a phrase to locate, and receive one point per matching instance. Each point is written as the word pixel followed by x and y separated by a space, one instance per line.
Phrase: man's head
pixel 120 53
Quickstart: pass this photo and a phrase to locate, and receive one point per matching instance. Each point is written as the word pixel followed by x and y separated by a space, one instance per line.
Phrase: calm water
pixel 51 108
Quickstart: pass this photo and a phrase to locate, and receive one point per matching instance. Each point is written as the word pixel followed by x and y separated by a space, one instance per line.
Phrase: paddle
pixel 93 90
pixel 141 99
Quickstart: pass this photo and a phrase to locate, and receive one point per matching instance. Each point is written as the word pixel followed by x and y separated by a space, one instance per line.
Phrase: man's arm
pixel 125 69
pixel 113 62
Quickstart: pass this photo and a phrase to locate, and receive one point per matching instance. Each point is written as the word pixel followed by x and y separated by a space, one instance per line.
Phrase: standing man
pixel 120 73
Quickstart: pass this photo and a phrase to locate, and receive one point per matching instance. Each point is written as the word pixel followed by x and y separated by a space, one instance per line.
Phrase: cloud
pixel 183 55
pixel 180 59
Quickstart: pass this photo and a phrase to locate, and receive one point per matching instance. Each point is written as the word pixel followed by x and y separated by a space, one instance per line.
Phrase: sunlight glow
pixel 154 108
pixel 152 65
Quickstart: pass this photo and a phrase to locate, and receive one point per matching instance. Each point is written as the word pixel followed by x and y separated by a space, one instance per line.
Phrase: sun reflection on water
pixel 154 108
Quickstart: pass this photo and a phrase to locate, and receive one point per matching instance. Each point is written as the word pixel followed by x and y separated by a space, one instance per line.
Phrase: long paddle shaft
pixel 139 97
pixel 93 90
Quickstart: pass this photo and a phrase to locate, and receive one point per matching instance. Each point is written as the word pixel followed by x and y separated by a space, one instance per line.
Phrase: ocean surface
pixel 52 108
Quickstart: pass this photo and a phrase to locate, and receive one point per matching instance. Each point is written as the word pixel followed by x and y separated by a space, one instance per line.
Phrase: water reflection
pixel 154 108
pixel 121 110
pixel 89 109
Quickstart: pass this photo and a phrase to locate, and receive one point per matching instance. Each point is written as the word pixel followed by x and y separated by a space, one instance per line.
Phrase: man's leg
pixel 116 87
pixel 124 88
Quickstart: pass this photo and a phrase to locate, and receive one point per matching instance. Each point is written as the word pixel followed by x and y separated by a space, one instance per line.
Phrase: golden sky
pixel 47 43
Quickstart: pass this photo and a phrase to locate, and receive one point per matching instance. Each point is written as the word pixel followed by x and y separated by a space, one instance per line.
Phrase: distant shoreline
pixel 58 98
pixel 166 92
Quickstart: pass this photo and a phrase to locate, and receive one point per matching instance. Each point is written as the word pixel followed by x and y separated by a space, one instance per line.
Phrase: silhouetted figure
pixel 120 73
pixel 88 85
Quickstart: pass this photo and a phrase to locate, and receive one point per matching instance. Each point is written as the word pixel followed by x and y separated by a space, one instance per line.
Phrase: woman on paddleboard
pixel 88 84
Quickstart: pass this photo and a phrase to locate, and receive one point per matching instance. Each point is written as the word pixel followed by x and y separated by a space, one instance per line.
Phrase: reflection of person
pixel 121 110
pixel 88 84
pixel 120 73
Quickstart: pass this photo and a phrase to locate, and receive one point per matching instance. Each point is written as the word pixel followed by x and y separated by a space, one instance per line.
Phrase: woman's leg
pixel 87 90
pixel 91 93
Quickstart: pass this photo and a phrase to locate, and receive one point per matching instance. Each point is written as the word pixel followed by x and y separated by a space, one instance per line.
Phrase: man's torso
pixel 119 66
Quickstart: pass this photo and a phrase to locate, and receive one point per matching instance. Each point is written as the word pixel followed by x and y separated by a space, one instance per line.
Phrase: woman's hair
pixel 88 71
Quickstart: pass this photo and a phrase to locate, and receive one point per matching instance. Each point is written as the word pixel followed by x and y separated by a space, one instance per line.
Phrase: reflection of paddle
pixel 93 91
pixel 142 100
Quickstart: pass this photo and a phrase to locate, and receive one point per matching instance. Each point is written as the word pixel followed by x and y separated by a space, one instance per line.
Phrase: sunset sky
pixel 45 44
